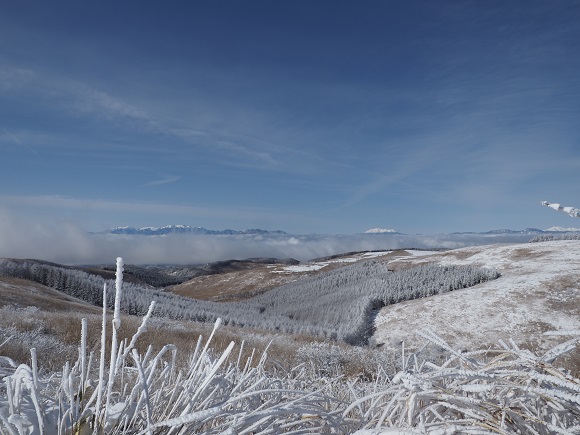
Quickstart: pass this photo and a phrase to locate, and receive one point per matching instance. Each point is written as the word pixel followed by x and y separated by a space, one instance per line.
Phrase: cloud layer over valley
pixel 66 242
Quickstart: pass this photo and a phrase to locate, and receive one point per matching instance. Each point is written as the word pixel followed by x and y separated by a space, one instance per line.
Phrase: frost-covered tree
pixel 338 305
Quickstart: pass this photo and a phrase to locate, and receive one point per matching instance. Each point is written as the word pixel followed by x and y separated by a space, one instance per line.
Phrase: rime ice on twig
pixel 572 211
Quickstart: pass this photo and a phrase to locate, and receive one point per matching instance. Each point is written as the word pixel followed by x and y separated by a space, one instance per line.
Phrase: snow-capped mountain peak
pixel 379 231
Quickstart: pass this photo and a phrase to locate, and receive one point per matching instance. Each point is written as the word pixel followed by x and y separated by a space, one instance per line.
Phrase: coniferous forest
pixel 338 305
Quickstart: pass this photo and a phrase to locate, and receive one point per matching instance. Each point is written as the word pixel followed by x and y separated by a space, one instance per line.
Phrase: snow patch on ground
pixel 317 265
pixel 419 253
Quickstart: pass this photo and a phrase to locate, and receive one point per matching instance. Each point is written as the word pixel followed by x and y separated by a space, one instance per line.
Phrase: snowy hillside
pixel 539 291
pixel 493 390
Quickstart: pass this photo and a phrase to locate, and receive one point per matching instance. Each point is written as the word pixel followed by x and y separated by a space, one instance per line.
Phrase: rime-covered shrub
pixel 552 237
pixel 324 358
pixel 502 390
pixel 328 359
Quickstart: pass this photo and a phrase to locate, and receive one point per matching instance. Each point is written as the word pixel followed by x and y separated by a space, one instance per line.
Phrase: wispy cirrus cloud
pixel 165 180
pixel 10 137
pixel 15 79
pixel 66 94
pixel 76 98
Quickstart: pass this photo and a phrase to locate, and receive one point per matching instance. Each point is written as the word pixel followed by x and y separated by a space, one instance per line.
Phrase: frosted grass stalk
pixel 249 360
pixel 116 325
pixel 88 372
pixel 142 328
pixel 145 389
pixel 9 395
pixel 193 398
pixel 216 325
pixel 6 341
pixel 102 359
pixel 216 366
pixel 187 419
pixel 195 356
pixel 30 379
pixel 118 291
pixel 83 356
pixel 34 367
pixel 16 420
pixel 240 354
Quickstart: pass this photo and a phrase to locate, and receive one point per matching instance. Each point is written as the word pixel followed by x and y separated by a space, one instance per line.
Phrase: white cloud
pixel 65 242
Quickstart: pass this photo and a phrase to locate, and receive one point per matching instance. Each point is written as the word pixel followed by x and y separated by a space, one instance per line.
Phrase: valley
pixel 310 314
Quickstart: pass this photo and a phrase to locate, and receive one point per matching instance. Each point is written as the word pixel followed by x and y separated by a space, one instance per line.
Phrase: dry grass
pixel 459 255
pixel 233 286
pixel 526 254
pixel 570 361
pixel 22 293
pixel 56 336
pixel 564 294
pixel 243 284
pixel 32 315
pixel 61 331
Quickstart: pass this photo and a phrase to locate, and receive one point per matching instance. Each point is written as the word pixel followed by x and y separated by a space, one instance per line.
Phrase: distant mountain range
pixel 530 231
pixel 186 229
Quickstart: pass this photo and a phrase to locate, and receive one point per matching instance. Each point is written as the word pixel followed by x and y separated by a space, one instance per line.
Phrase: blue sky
pixel 307 116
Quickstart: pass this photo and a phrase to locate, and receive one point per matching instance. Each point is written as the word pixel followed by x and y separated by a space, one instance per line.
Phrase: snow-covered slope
pixel 539 291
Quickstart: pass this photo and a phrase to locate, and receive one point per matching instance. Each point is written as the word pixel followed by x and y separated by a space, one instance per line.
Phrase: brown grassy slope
pixel 22 293
pixel 33 315
pixel 259 278
pixel 232 286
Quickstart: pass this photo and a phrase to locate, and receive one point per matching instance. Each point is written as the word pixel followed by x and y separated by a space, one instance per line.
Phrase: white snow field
pixel 538 291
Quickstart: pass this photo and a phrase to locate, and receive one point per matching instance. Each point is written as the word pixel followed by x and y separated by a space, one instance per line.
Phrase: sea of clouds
pixel 68 243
